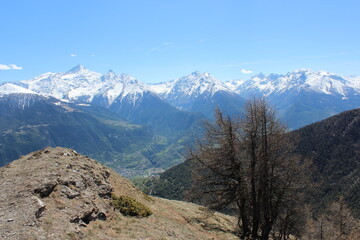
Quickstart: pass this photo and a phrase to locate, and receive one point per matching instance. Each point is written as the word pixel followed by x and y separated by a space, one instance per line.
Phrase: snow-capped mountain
pixel 123 94
pixel 118 87
pixel 76 83
pixel 303 96
pixel 354 81
pixel 297 95
pixel 199 93
pixel 82 85
pixel 10 88
pixel 297 81
pixel 190 86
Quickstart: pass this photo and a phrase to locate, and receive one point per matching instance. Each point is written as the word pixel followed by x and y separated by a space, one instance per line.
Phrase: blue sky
pixel 162 40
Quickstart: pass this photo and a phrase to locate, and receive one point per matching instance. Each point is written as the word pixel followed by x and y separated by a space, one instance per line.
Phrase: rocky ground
pixel 56 193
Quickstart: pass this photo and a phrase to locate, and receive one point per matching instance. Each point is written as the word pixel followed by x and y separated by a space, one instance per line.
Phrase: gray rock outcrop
pixel 60 184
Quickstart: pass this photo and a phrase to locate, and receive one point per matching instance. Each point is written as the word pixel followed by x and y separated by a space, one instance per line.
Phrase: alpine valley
pixel 139 128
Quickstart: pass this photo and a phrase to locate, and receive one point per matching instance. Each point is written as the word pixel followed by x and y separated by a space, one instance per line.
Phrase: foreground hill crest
pixel 56 193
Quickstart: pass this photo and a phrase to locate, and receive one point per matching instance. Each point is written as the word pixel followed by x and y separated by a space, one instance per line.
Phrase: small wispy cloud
pixel 164 46
pixel 9 67
pixel 73 55
pixel 246 71
pixel 200 41
pixel 93 55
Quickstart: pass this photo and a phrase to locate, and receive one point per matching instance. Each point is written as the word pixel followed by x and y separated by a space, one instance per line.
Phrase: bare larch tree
pixel 247 163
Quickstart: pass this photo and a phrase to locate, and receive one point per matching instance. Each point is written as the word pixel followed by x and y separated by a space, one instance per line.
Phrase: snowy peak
pixel 196 73
pixel 9 88
pixel 233 85
pixel 79 84
pixel 197 92
pixel 120 86
pixel 320 81
pixel 302 79
pixel 354 82
pixel 77 68
pixel 65 86
pixel 109 76
pixel 192 85
pixel 80 75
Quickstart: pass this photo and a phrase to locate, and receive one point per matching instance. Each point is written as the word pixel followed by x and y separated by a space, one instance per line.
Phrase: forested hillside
pixel 332 144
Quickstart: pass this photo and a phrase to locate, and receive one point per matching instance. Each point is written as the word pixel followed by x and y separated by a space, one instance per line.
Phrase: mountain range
pixel 297 93
pixel 153 123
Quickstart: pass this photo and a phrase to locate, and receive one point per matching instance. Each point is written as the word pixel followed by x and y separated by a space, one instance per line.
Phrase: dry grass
pixel 170 219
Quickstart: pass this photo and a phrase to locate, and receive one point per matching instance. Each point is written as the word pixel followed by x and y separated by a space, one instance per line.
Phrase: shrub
pixel 130 207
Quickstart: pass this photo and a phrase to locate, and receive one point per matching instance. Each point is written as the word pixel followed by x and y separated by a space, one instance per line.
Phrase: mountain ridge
pixel 319 81
pixel 326 82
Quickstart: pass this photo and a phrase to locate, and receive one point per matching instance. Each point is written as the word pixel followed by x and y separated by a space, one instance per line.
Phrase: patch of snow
pixel 10 88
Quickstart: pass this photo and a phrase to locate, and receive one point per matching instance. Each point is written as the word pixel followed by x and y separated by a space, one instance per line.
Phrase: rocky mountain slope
pixel 56 193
